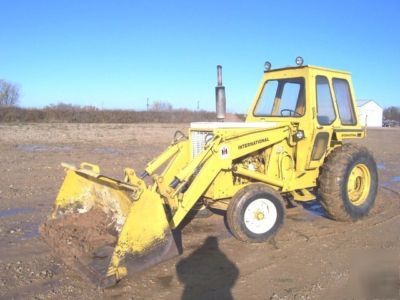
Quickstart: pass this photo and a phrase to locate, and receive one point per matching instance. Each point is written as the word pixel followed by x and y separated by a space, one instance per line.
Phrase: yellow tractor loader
pixel 290 148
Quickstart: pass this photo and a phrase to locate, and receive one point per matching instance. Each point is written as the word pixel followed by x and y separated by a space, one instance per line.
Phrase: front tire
pixel 255 213
pixel 348 183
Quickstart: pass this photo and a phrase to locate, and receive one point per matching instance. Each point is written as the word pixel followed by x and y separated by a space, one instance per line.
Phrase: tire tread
pixel 331 180
pixel 236 204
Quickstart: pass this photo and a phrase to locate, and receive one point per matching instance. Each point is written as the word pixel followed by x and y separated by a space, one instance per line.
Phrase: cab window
pixel 325 109
pixel 344 101
pixel 282 98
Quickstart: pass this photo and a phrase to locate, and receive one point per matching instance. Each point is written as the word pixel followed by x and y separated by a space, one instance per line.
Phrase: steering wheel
pixel 291 112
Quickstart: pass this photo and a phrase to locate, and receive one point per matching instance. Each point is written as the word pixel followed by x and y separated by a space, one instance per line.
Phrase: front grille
pixel 198 142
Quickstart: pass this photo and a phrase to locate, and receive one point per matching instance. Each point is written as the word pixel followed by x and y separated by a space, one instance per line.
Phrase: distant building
pixel 370 110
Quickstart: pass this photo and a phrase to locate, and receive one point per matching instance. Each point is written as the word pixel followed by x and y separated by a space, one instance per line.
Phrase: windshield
pixel 282 98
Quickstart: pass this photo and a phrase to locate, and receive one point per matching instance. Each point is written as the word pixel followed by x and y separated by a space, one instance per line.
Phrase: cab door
pixel 324 117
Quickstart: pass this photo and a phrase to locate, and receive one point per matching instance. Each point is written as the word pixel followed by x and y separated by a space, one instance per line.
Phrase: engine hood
pixel 210 126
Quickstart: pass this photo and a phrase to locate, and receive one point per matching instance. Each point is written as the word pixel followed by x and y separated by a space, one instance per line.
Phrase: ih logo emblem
pixel 224 152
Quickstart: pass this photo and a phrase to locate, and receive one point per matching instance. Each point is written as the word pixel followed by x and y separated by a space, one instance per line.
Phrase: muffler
pixel 220 98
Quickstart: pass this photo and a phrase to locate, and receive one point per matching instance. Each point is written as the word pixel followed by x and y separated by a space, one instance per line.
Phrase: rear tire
pixel 255 213
pixel 348 183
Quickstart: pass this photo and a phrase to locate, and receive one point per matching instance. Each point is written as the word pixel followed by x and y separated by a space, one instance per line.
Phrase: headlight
pixel 208 138
pixel 267 66
pixel 300 134
pixel 299 61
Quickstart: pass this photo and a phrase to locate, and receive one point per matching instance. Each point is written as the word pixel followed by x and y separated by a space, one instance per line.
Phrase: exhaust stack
pixel 220 99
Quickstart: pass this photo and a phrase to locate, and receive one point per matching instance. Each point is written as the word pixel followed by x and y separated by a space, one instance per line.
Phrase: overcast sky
pixel 116 54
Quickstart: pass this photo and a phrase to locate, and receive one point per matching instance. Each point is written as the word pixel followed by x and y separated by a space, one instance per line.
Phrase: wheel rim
pixel 359 184
pixel 260 215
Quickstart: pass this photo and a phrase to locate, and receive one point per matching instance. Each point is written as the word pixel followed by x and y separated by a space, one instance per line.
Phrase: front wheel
pixel 255 213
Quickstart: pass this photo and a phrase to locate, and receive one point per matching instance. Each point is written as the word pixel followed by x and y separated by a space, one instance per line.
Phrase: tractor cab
pixel 289 149
pixel 319 96
pixel 318 103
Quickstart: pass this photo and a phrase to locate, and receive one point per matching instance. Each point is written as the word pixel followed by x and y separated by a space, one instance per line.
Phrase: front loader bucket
pixel 105 228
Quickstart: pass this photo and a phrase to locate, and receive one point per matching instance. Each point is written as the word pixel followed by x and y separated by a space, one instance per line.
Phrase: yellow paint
pixel 259 216
pixel 145 227
pixel 232 159
pixel 80 192
pixel 359 184
pixel 142 222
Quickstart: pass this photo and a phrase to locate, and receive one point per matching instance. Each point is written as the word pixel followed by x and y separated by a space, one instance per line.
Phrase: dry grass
pixel 93 115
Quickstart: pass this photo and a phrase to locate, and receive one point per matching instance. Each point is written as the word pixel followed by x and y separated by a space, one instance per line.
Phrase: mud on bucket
pixel 105 228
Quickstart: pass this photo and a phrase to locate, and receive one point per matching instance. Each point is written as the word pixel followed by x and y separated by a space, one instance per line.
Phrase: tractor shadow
pixel 315 208
pixel 306 211
pixel 207 273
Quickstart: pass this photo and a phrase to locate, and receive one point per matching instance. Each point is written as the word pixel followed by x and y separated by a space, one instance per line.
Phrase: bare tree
pixel 9 93
pixel 392 113
pixel 161 106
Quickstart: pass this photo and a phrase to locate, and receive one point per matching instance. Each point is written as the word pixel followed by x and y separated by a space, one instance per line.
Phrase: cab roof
pixel 308 67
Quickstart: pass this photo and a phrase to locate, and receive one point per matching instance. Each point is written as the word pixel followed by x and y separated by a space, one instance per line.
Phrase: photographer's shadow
pixel 207 273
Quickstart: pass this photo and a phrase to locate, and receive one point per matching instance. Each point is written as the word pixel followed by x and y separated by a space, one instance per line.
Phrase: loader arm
pixel 108 228
pixel 197 176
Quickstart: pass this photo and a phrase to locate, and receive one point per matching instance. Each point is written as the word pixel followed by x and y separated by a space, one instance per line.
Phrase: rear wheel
pixel 255 213
pixel 348 183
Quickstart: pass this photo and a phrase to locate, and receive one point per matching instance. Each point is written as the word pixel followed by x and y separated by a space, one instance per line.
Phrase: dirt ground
pixel 312 257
